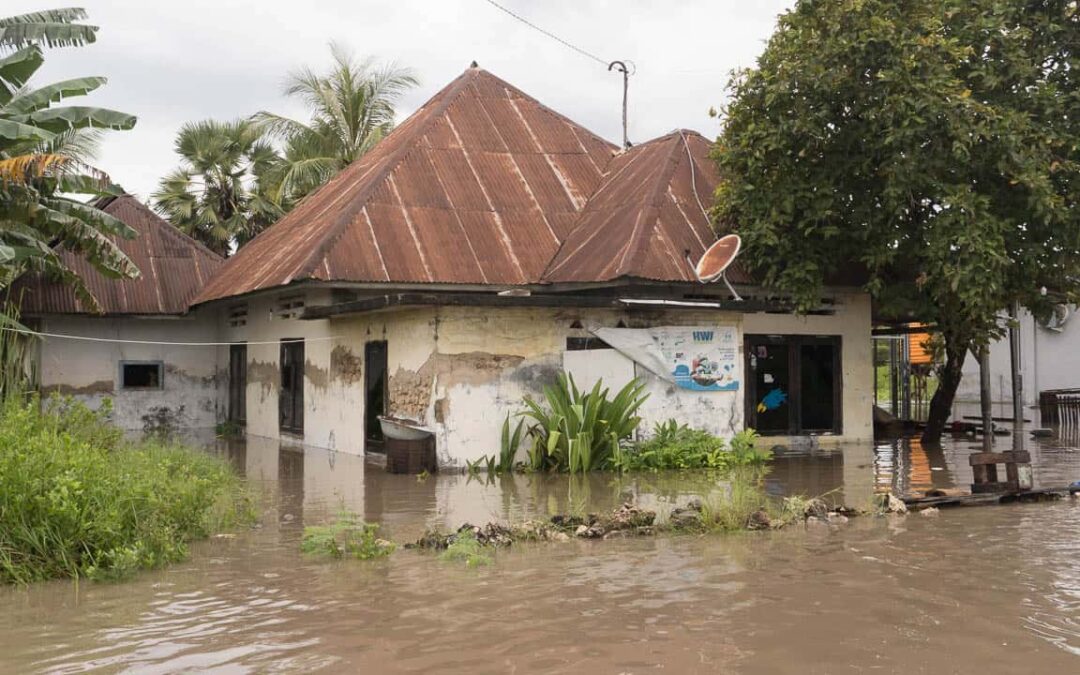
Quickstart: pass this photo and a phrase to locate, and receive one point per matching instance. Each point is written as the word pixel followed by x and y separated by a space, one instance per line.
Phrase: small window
pixel 238 316
pixel 140 375
pixel 290 308
pixel 577 344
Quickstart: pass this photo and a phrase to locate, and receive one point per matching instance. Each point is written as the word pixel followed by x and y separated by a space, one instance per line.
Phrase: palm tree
pixel 217 194
pixel 43 148
pixel 352 109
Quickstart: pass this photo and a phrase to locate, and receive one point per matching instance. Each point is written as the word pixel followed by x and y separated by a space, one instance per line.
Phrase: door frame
pixel 369 347
pixel 794 343
pixel 297 425
pixel 238 399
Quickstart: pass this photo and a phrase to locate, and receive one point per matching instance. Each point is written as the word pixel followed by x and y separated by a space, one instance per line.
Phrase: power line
pixel 558 39
pixel 87 338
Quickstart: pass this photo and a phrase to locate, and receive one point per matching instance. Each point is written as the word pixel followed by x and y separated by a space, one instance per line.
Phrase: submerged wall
pixel 461 370
pixel 189 395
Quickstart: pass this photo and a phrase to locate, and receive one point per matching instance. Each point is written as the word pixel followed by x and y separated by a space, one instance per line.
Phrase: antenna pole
pixel 625 85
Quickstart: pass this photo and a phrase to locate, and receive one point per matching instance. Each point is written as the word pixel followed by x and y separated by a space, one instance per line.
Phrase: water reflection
pixel 995 589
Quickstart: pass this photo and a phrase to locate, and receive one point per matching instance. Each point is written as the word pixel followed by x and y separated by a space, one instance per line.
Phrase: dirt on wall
pixel 345 365
pixel 98 387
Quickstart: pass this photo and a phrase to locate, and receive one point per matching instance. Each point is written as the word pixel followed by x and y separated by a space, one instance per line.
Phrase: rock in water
pixel 759 520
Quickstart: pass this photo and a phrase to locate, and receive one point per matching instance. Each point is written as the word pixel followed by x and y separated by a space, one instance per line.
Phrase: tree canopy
pixel 932 144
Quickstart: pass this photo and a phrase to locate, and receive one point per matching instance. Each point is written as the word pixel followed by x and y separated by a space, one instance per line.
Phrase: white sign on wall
pixel 701 358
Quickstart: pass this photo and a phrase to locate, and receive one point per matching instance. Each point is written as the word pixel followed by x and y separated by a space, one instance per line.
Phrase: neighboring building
pixel 484 246
pixel 151 385
pixel 1049 359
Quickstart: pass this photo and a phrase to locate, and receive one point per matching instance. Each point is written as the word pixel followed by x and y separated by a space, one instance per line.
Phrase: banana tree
pixel 39 171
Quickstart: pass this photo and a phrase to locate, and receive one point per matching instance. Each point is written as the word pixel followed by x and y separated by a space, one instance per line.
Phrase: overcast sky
pixel 171 61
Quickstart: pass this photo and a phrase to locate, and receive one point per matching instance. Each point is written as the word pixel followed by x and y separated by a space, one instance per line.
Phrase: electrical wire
pixel 87 338
pixel 693 178
pixel 558 39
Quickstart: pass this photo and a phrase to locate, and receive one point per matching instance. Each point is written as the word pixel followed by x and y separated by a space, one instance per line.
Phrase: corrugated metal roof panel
pixel 478 186
pixel 646 218
pixel 173 269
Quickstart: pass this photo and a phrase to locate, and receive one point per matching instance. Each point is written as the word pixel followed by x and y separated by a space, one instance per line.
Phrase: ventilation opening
pixel 140 375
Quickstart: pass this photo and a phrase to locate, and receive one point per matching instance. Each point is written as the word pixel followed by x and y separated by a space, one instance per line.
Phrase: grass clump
pixel 466 548
pixel 346 536
pixel 76 500
pixel 677 446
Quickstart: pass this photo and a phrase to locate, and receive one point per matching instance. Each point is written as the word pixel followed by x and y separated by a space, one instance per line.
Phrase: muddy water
pixel 971 590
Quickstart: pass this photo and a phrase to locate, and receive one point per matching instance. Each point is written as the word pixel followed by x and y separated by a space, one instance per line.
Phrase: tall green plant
pixel 42 151
pixel 352 106
pixel 18 365
pixel 580 431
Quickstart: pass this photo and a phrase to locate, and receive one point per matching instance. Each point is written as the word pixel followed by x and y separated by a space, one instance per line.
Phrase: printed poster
pixel 701 359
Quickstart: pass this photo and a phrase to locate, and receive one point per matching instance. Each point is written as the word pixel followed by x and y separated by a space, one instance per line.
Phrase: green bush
pixel 347 536
pixel 466 548
pixel 76 500
pixel 677 446
pixel 580 431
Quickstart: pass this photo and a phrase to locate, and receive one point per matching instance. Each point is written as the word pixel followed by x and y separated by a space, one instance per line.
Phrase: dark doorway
pixel 375 388
pixel 238 383
pixel 291 398
pixel 793 384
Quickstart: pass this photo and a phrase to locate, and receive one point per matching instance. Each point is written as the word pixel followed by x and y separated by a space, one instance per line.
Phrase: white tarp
pixel 699 358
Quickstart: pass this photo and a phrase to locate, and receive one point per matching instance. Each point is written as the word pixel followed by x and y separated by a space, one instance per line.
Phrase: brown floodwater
pixel 993 589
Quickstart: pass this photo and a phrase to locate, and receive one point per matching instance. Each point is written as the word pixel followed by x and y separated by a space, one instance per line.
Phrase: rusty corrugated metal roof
pixel 646 219
pixel 480 186
pixel 173 267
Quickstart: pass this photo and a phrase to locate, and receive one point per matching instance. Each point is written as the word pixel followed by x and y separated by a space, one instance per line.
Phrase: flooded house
pixel 142 347
pixel 483 247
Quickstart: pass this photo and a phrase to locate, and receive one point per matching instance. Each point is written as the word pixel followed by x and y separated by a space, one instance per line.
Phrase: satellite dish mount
pixel 716 260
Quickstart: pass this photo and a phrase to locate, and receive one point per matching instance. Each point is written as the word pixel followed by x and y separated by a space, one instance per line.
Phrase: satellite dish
pixel 716 259
pixel 1058 319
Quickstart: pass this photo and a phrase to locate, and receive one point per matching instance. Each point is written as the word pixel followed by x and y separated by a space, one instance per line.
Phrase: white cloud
pixel 171 62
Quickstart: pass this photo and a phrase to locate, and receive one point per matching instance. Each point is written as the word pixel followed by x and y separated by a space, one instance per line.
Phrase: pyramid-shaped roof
pixel 647 219
pixel 481 185
pixel 173 269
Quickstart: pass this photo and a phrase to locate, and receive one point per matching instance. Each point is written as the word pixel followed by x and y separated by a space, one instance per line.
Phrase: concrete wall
pixel 461 370
pixel 1048 360
pixel 852 323
pixel 190 396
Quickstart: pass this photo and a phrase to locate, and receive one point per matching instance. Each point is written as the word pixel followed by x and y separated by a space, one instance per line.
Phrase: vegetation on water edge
pixel 466 548
pixel 77 500
pixel 347 536
pixel 677 446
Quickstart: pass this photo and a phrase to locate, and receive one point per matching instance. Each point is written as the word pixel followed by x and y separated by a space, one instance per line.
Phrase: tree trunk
pixel 956 350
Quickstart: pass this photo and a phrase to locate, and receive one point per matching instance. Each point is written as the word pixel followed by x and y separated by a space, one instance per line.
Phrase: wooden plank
pixel 1007 457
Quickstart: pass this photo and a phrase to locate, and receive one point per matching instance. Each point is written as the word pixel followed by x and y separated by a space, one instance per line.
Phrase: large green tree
pixel 218 194
pixel 352 107
pixel 932 144
pixel 43 150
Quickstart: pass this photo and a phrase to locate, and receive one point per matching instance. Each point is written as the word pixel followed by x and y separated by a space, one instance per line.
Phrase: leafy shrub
pixel 581 431
pixel 677 446
pixel 346 536
pixel 76 500
pixel 466 547
pixel 509 443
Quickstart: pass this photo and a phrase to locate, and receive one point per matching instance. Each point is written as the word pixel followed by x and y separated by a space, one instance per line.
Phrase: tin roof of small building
pixel 173 269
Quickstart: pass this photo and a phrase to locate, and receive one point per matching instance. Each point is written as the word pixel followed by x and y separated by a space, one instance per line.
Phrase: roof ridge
pixel 656 195
pixel 447 96
pixel 173 230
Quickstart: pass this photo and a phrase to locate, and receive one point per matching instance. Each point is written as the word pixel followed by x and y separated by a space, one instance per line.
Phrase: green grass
pixel 466 548
pixel 677 446
pixel 76 500
pixel 346 536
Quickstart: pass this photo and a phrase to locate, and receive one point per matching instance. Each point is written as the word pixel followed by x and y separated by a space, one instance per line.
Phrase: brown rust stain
pixel 345 365
pixel 442 410
pixel 264 373
pixel 319 377
pixel 473 368
pixel 98 387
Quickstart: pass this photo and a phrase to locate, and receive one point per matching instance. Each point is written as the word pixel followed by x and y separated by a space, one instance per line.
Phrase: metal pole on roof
pixel 621 66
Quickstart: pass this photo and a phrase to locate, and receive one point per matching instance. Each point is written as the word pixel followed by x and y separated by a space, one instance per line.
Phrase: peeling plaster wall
pixel 852 323
pixel 333 385
pixel 461 370
pixel 190 397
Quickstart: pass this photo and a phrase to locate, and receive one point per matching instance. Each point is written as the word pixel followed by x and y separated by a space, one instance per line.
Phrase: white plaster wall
pixel 333 400
pixel 1048 360
pixel 852 322
pixel 90 371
